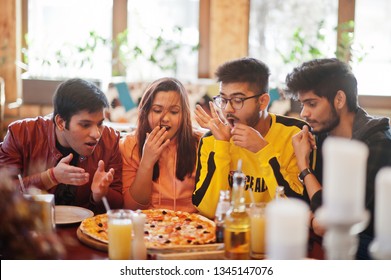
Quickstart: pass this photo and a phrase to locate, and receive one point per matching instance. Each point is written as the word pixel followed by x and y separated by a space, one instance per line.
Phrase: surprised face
pixel 166 111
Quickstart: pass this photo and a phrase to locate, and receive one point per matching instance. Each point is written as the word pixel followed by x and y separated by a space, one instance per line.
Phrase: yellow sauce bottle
pixel 237 221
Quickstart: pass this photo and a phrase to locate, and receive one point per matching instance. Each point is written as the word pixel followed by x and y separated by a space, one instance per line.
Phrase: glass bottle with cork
pixel 280 193
pixel 237 221
pixel 221 211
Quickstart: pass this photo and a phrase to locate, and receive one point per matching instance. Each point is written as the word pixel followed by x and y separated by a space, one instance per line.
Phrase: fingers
pixel 239 128
pixel 242 129
pixel 309 137
pixel 68 174
pixel 109 176
pixel 156 132
pixel 201 114
pixel 157 135
pixel 305 133
pixel 67 159
pixel 78 181
pixel 199 110
pixel 200 122
pixel 164 145
pixel 101 166
pixel 312 140
pixel 213 110
pixel 112 171
pixel 296 138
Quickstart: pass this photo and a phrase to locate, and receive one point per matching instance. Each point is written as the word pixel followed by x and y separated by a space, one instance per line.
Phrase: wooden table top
pixel 75 250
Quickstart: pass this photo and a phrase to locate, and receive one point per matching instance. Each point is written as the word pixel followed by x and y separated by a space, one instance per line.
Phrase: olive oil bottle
pixel 237 221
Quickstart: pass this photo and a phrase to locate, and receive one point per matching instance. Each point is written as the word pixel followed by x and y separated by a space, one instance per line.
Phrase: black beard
pixel 331 124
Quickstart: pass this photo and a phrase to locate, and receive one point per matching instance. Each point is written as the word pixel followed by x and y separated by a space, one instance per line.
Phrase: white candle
pixel 383 209
pixel 344 175
pixel 286 229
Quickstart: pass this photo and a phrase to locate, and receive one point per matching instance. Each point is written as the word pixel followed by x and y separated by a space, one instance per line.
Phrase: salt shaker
pixel 138 246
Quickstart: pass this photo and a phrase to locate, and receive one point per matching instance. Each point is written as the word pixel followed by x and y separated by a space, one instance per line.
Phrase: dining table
pixel 77 250
pixel 74 248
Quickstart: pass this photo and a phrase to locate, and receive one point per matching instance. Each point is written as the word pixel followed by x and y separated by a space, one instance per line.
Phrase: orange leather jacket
pixel 29 148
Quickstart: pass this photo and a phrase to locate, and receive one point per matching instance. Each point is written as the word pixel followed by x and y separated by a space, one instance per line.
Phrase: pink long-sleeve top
pixel 168 192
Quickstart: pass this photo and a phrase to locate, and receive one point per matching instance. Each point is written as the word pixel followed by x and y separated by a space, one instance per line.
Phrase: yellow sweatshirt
pixel 274 165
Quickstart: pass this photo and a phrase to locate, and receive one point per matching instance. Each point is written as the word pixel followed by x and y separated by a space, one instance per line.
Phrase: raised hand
pixel 154 144
pixel 101 181
pixel 247 137
pixel 303 144
pixel 68 174
pixel 219 129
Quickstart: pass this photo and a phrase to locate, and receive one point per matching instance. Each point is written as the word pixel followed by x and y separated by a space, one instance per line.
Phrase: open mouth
pixel 91 144
pixel 231 122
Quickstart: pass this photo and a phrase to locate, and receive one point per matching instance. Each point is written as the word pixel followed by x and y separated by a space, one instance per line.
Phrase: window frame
pixel 346 12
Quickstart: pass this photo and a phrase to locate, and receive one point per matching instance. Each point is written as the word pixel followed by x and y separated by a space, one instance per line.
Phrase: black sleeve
pixel 316 201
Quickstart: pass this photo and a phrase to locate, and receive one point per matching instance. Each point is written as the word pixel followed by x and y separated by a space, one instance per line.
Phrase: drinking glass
pixel 43 205
pixel 257 220
pixel 120 234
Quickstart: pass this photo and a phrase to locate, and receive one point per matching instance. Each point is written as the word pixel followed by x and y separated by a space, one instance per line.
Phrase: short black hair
pixel 246 69
pixel 75 95
pixel 325 77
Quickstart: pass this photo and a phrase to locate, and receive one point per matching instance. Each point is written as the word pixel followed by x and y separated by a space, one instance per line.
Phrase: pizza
pixel 163 228
pixel 96 227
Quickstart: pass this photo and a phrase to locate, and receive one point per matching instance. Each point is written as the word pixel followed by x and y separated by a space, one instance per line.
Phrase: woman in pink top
pixel 159 157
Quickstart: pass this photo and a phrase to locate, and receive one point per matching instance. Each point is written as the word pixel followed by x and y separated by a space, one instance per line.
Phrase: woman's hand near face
pixel 155 143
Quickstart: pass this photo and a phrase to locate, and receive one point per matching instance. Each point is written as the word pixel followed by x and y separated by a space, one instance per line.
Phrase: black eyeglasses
pixel 236 102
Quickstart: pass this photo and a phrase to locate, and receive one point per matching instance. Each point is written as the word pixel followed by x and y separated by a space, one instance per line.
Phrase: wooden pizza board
pixel 91 242
pixel 207 251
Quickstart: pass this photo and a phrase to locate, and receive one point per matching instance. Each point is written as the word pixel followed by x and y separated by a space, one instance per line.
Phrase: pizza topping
pixel 162 228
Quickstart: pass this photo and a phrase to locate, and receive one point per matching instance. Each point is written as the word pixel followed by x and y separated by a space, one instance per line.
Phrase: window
pixel 273 27
pixel 285 33
pixel 373 36
pixel 65 41
pixel 166 31
pixel 60 42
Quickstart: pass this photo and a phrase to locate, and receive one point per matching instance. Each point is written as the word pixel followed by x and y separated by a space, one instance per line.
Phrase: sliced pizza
pixel 163 228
